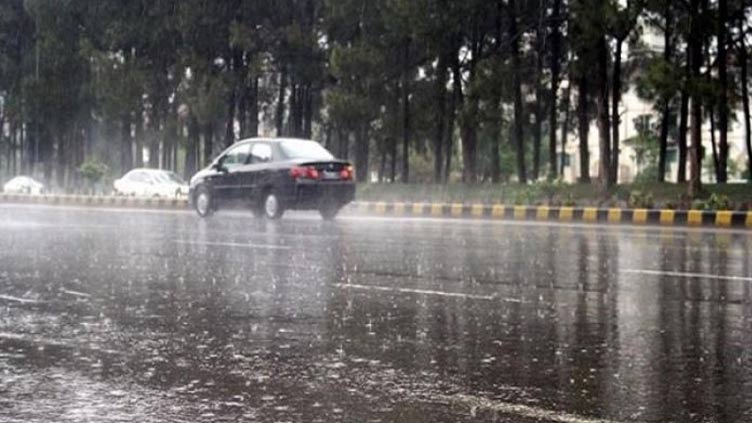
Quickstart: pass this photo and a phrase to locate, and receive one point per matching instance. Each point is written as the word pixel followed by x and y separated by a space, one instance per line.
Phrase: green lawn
pixel 739 196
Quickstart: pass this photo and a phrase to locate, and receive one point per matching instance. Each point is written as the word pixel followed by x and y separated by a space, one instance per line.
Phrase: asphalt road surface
pixel 128 316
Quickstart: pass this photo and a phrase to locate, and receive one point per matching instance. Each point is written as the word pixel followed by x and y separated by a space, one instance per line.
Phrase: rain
pixel 116 315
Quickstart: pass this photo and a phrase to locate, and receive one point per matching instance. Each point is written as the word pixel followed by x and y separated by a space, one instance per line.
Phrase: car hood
pixel 201 174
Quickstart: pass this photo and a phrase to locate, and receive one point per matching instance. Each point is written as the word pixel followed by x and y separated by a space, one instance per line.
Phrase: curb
pixel 87 200
pixel 723 219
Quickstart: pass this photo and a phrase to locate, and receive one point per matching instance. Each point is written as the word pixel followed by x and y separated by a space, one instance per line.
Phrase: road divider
pixel 710 218
pixel 97 201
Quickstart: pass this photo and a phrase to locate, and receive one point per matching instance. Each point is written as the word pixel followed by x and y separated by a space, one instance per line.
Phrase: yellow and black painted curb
pixel 102 201
pixel 725 219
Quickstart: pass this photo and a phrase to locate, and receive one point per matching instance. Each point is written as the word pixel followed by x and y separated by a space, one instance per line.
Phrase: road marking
pixel 425 292
pixel 236 244
pixel 30 339
pixel 75 293
pixel 686 275
pixel 519 410
pixel 18 300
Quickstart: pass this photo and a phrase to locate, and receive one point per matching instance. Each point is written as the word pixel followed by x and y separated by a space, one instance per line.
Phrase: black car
pixel 274 175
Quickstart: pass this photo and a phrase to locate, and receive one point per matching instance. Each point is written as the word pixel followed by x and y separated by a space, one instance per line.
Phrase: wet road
pixel 124 316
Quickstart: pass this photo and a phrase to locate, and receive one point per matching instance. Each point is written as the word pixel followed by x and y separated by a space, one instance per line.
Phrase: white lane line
pixel 476 403
pixel 53 343
pixel 425 292
pixel 18 300
pixel 237 244
pixel 75 293
pixel 686 275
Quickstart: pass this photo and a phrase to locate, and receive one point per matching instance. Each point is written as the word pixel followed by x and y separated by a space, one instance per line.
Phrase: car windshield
pixel 305 150
pixel 168 177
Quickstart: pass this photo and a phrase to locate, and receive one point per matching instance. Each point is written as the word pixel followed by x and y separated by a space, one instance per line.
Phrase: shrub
pixel 719 202
pixel 640 200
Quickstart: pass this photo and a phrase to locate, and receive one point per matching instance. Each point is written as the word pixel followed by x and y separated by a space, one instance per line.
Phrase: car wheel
pixel 273 207
pixel 329 211
pixel 203 202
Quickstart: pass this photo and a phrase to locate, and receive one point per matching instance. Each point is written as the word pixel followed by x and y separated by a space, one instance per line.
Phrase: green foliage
pixel 79 77
pixel 640 200
pixel 647 174
pixel 93 171
pixel 714 202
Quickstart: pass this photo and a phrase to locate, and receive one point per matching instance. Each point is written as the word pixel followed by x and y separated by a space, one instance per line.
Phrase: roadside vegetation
pixel 478 92
pixel 644 195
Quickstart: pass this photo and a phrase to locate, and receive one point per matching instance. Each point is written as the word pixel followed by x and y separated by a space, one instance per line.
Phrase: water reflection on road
pixel 164 317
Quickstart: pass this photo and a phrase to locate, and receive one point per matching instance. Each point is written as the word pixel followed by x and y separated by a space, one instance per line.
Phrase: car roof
pixel 274 140
pixel 22 177
pixel 147 170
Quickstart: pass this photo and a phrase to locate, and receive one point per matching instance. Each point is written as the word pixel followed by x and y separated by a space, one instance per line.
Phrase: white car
pixel 23 185
pixel 151 183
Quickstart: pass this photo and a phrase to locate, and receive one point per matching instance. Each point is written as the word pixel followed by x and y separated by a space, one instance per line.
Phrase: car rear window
pixel 305 150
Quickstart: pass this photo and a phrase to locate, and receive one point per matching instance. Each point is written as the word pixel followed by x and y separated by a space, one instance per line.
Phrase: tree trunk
pixel 280 114
pixel 126 143
pixel 538 111
pixel 604 137
pixel 230 119
pixel 393 152
pixel 583 117
pixel 438 141
pixel 454 102
pixel 308 114
pixel 292 116
pixel 681 176
pixel 615 118
pixel 565 126
pixel 361 154
pixel 154 137
pixel 406 113
pixel 668 53
pixel 553 111
pixel 208 144
pixel 496 131
pixel 191 148
pixel 61 154
pixel 695 152
pixel 382 164
pixel 517 87
pixel 713 144
pixel 723 147
pixel 139 140
pixel 253 111
pixel 743 58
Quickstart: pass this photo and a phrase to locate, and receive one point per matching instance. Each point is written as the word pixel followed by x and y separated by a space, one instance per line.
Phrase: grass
pixel 632 195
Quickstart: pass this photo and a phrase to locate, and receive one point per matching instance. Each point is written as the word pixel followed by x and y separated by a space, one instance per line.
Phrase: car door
pixel 255 175
pixel 138 183
pixel 226 183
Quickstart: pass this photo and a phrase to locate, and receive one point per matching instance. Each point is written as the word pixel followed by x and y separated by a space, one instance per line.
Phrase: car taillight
pixel 304 172
pixel 346 173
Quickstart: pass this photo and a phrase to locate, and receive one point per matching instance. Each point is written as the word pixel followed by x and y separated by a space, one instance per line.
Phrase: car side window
pixel 139 177
pixel 236 156
pixel 261 153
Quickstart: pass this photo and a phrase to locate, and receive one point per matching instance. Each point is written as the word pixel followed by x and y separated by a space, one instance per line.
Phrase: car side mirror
pixel 219 167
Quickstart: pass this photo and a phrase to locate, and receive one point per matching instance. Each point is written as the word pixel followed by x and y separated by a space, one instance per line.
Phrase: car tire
pixel 329 211
pixel 272 206
pixel 203 202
